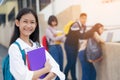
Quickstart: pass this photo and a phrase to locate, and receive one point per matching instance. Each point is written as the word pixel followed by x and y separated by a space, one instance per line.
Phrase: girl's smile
pixel 27 24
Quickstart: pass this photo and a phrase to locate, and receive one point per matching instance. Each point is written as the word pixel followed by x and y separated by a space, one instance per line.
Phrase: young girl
pixel 55 49
pixel 26 33
pixel 88 69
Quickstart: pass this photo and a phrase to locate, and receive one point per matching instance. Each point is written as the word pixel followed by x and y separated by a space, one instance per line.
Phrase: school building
pixel 103 11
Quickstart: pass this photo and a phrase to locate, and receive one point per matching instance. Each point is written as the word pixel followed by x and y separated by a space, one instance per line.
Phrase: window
pixel 34 5
pixel 1 1
pixel 20 4
pixel 2 19
pixel 43 3
pixel 28 3
pixel 11 16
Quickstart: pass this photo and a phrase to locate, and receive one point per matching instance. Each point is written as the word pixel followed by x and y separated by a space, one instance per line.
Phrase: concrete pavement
pixel 3 52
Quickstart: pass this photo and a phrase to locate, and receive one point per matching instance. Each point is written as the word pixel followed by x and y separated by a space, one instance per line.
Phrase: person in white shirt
pixel 26 33
pixel 54 40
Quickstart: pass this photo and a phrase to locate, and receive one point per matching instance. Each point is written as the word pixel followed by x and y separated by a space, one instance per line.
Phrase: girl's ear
pixel 17 23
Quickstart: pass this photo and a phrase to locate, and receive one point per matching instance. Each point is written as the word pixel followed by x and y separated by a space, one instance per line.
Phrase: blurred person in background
pixel 76 32
pixel 88 69
pixel 54 38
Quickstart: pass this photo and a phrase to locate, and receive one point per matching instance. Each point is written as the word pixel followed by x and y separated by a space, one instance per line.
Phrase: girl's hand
pixel 42 71
pixel 48 66
pixel 55 35
pixel 98 38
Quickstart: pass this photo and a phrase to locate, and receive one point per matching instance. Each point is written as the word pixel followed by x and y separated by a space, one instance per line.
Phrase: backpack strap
pixel 38 44
pixel 22 52
pixel 78 25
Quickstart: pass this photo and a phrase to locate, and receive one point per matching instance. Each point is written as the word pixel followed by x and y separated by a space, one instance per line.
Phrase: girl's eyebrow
pixel 27 19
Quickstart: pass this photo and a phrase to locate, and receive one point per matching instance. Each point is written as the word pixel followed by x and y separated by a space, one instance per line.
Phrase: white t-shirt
pixel 21 71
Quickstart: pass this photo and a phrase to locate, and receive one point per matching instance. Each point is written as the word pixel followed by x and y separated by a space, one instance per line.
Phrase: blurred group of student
pixel 76 37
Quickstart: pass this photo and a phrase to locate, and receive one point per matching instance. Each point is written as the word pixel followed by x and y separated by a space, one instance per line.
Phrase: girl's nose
pixel 29 25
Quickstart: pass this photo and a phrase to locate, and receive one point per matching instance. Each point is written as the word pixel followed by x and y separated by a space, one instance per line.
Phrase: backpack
pixel 6 65
pixel 45 42
pixel 93 51
pixel 67 27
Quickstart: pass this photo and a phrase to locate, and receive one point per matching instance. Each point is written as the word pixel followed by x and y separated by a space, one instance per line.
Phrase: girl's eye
pixel 25 21
pixel 33 22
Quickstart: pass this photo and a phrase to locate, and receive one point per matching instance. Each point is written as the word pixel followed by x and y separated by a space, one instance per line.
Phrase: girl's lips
pixel 28 29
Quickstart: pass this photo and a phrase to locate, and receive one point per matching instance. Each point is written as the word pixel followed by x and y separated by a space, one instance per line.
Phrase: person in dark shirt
pixel 76 32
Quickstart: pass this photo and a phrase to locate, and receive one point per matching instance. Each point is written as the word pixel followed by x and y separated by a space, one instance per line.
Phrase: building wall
pixel 109 67
pixel 7 29
pixel 5 34
pixel 58 6
pixel 8 6
pixel 101 11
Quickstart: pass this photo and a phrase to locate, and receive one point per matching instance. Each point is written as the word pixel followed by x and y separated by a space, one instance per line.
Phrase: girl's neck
pixel 26 40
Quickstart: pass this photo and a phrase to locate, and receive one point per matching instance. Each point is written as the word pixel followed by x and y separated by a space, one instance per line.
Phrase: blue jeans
pixel 57 53
pixel 88 69
pixel 71 54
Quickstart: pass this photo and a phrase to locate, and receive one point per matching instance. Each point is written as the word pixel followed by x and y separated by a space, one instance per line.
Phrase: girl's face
pixel 27 24
pixel 54 23
pixel 101 30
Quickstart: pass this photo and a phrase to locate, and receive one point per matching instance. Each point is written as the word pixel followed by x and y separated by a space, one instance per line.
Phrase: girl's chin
pixel 28 34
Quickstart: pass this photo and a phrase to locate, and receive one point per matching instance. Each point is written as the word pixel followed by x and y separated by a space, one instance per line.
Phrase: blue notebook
pixel 36 59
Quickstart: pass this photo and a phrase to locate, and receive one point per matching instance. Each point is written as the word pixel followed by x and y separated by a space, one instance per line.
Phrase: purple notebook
pixel 36 59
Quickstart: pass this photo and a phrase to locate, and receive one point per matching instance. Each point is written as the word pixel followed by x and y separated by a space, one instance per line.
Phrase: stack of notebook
pixel 36 59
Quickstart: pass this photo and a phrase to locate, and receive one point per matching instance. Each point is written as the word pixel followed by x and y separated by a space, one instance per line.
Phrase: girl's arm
pixel 42 71
pixel 98 38
pixel 55 68
pixel 54 37
pixel 17 67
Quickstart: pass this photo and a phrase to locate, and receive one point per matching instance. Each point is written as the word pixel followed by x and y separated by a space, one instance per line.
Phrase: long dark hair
pixel 96 27
pixel 35 35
